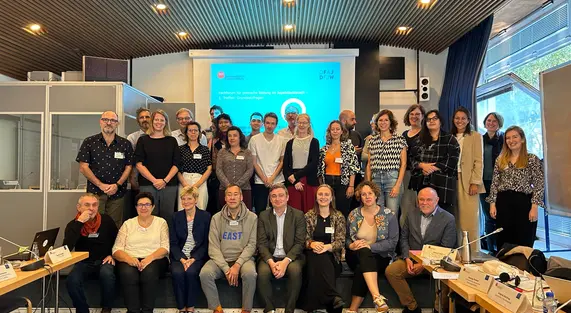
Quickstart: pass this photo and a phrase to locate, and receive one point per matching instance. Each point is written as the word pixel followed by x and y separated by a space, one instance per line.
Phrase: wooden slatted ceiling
pixel 130 28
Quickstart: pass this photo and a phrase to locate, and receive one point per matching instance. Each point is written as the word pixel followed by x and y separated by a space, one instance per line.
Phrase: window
pixel 20 156
pixel 68 133
pixel 530 71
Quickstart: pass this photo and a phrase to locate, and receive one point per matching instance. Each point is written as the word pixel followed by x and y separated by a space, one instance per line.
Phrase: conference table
pixel 466 292
pixel 24 278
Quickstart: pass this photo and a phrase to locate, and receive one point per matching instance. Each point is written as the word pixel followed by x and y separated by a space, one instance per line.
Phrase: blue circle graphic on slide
pixel 291 102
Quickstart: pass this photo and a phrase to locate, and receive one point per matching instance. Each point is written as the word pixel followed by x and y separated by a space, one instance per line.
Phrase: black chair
pixel 11 303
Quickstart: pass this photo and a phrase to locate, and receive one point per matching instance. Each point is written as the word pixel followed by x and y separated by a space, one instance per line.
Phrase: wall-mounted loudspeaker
pixel 424 87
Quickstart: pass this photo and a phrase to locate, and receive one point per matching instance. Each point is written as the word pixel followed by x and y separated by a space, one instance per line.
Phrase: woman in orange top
pixel 338 164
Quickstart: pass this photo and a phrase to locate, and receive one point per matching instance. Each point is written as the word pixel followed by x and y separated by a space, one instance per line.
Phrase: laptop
pixel 561 288
pixel 45 239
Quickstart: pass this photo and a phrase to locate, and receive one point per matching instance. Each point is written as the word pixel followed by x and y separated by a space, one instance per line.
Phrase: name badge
pixel 476 279
pixel 234 223
pixel 197 156
pixel 338 160
pixel 119 155
pixel 95 235
pixel 7 272
pixel 239 157
pixel 329 230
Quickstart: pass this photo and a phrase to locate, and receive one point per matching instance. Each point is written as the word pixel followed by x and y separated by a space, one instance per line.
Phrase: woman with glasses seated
pixel 195 165
pixel 434 161
pixel 141 250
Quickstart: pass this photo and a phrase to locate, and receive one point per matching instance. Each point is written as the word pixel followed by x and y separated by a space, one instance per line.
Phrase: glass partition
pixel 20 156
pixel 68 133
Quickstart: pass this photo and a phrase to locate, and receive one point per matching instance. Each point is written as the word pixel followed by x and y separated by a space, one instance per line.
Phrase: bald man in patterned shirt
pixel 106 160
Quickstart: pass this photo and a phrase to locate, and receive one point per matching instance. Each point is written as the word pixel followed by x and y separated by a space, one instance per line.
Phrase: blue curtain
pixel 463 66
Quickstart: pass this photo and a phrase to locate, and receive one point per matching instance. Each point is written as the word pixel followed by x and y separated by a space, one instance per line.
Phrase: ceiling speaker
pixel 424 88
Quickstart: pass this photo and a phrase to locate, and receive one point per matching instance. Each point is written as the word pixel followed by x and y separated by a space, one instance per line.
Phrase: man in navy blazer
pixel 429 225
pixel 188 253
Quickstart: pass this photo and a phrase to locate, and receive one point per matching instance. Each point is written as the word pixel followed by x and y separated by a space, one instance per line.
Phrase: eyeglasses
pixel 144 205
pixel 109 120
pixel 193 130
pixel 432 119
pixel 183 119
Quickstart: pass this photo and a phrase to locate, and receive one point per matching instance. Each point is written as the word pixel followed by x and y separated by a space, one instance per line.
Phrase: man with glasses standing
pixel 106 160
pixel 183 117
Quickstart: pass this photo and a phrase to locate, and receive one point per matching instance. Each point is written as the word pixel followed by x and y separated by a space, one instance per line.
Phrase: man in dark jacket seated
pixel 430 225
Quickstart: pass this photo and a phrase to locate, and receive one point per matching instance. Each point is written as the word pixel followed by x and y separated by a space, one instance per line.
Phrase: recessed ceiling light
pixel 426 4
pixel 289 27
pixel 182 34
pixel 160 8
pixel 403 30
pixel 288 3
pixel 34 29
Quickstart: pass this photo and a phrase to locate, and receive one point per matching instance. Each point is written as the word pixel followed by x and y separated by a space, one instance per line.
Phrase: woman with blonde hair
pixel 301 158
pixel 188 248
pixel 157 157
pixel 516 191
pixel 324 241
pixel 338 164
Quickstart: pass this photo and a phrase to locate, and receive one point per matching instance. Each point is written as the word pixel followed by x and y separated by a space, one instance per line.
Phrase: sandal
pixel 380 304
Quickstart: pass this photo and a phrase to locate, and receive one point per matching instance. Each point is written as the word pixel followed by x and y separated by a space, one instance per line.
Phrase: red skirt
pixel 302 200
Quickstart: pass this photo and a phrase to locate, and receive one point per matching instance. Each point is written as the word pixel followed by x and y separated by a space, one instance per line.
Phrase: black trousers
pixel 322 271
pixel 186 284
pixel 260 194
pixel 364 261
pixel 341 202
pixel 140 288
pixel 294 280
pixel 488 243
pixel 512 213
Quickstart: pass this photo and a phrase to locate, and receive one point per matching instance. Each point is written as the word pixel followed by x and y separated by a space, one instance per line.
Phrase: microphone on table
pixel 37 264
pixel 448 264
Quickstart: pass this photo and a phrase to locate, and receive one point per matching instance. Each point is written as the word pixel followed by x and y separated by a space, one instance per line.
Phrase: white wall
pixel 433 66
pixel 165 75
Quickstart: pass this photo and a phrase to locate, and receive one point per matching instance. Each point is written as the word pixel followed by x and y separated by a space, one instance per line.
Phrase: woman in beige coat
pixel 470 171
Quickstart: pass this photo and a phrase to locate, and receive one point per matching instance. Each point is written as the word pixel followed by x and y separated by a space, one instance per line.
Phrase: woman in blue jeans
pixel 387 160
pixel 189 248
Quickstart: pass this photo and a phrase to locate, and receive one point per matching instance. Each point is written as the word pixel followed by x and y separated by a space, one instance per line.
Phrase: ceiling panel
pixel 130 28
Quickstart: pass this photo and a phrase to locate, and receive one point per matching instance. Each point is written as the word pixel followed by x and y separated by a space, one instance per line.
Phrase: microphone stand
pixel 37 264
pixel 448 264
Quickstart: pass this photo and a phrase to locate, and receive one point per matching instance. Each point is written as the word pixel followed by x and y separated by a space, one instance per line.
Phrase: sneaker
pixel 380 304
pixel 338 302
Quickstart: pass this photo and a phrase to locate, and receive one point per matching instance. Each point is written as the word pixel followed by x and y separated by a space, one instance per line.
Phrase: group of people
pixel 257 189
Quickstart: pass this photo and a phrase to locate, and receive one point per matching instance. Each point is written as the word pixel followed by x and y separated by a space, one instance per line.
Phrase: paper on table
pixel 445 275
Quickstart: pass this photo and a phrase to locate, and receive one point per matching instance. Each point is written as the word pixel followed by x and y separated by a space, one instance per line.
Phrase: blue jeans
pixel 386 181
pixel 80 272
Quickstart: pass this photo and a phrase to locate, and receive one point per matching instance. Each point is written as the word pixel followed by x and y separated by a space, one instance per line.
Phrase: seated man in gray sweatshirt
pixel 429 224
pixel 231 247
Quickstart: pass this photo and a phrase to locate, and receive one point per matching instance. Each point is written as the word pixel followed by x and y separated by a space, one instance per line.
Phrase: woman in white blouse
pixel 140 249
pixel 470 172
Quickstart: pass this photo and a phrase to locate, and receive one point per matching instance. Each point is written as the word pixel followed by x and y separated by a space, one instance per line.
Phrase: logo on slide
pixel 221 75
pixel 292 102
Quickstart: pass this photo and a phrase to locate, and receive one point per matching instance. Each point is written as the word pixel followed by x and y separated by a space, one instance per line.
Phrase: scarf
pixel 91 226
